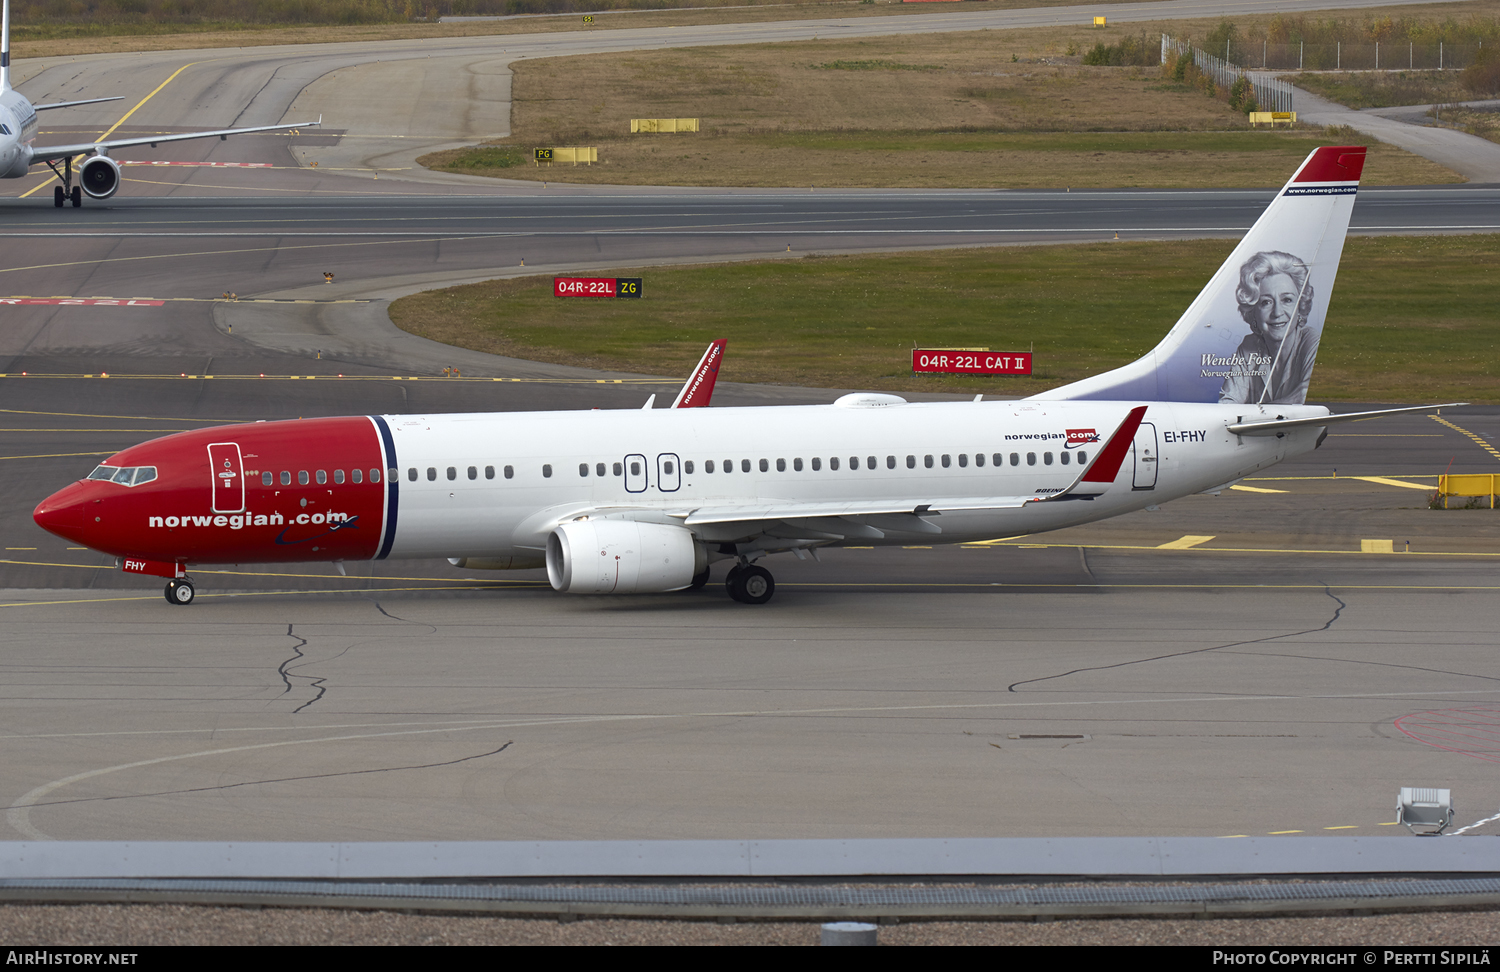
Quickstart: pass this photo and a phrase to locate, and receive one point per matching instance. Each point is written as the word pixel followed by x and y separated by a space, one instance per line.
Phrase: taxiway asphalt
pixel 1231 664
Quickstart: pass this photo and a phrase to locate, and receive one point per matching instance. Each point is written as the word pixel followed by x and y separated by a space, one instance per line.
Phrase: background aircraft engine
pixel 100 177
pixel 621 557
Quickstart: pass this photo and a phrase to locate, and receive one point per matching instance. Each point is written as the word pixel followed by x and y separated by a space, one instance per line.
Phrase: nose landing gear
pixel 180 591
pixel 750 584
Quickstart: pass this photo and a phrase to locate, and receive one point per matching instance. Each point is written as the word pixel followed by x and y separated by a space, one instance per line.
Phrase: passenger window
pixel 729 465
pixel 635 469
pixel 869 462
pixel 708 466
pixel 1015 458
pixel 781 465
pixel 890 462
pixel 854 462
pixel 432 474
pixel 452 474
pixel 744 465
pixel 546 470
pixel 963 460
pixel 489 472
pixel 911 462
pixel 473 472
pixel 1083 458
pixel 322 477
pixel 302 477
pixel 1047 458
pixel 927 461
pixel 583 470
pixel 599 470
pixel 999 459
pixel 687 467
pixel 356 476
pixel 764 466
pixel 338 476
pixel 619 470
pixel 266 479
pixel 1063 458
pixel 1031 458
pixel 796 465
pixel 947 461
pixel 391 475
pixel 510 472
pixel 666 468
pixel 833 463
pixel 978 459
pixel 817 464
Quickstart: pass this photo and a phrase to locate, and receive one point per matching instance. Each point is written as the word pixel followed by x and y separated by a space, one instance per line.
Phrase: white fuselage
pixel 673 461
pixel 18 127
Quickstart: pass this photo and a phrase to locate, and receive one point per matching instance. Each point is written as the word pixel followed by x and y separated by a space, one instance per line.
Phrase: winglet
pixel 1106 465
pixel 1099 476
pixel 698 390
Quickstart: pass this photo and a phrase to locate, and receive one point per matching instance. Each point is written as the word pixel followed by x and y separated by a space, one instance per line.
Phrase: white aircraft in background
pixel 99 175
pixel 637 501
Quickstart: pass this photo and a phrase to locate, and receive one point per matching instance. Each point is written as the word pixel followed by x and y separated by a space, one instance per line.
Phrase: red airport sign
pixel 596 287
pixel 970 361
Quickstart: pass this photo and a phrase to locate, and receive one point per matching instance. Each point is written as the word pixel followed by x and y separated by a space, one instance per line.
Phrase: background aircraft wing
pixel 53 153
pixel 74 104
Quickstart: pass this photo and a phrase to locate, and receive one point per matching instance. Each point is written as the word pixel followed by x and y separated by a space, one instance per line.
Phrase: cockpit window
pixel 4 129
pixel 124 475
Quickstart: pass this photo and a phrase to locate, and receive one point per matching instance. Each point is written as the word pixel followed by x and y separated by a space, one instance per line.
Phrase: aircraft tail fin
pixel 1252 334
pixel 5 47
pixel 698 390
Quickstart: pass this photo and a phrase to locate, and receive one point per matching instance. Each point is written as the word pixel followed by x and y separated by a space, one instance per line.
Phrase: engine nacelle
pixel 100 177
pixel 622 557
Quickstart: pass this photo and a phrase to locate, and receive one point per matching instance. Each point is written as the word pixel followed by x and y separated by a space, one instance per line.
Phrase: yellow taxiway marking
pixel 1257 489
pixel 1477 440
pixel 1183 543
pixel 1377 546
pixel 1344 827
pixel 1384 481
pixel 1276 833
pixel 1250 550
pixel 133 418
pixel 122 120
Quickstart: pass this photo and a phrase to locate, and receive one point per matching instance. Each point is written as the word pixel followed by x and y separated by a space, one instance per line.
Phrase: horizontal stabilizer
pixel 1281 425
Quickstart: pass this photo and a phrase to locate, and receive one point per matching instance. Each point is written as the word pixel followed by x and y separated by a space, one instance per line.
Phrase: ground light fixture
pixel 1426 808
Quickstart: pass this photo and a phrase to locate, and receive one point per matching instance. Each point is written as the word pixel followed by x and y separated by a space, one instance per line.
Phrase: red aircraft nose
pixel 63 513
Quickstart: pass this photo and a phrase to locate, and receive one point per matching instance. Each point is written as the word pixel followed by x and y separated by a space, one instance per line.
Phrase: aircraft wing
pixel 53 153
pixel 75 104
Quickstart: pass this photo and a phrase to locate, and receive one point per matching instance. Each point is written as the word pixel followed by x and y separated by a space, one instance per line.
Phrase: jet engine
pixel 622 557
pixel 100 177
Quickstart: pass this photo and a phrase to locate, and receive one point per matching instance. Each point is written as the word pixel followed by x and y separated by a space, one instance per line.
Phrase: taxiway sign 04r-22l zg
pixel 636 501
pixel 99 175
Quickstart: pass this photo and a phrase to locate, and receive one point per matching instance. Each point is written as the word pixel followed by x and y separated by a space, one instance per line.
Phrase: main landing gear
pixel 750 584
pixel 180 591
pixel 66 191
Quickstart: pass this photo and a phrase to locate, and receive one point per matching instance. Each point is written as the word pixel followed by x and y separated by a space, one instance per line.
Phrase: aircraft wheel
pixel 750 585
pixel 77 196
pixel 180 592
pixel 58 196
pixel 698 581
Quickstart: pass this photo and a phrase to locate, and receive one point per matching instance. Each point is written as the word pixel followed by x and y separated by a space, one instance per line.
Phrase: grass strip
pixel 1413 319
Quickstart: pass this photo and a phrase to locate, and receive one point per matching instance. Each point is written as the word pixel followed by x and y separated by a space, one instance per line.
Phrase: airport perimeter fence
pixel 1386 56
pixel 1271 94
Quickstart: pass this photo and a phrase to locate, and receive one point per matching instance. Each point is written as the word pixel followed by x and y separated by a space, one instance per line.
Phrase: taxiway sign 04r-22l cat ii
pixel 638 501
pixel 98 175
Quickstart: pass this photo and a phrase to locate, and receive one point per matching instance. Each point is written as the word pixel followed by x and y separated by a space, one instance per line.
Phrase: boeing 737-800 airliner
pixel 635 501
pixel 99 175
